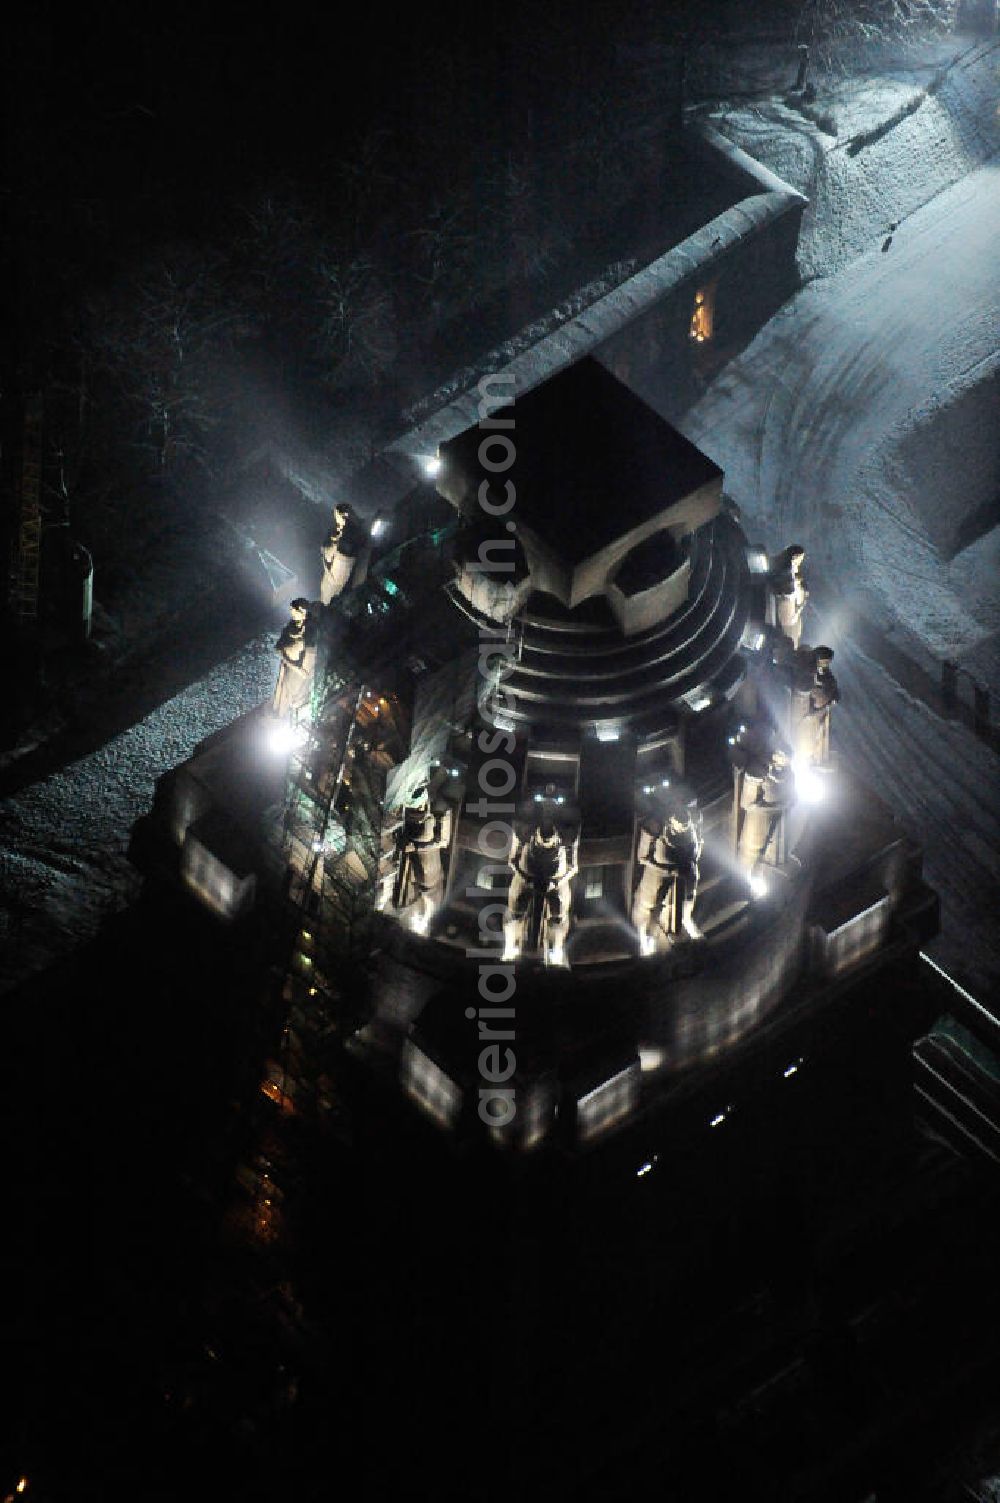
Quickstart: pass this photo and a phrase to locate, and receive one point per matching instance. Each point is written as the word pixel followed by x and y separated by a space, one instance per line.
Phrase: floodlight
pixel 808 783
pixel 287 738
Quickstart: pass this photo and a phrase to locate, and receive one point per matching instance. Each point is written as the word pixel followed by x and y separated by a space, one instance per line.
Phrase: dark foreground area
pixel 215 1297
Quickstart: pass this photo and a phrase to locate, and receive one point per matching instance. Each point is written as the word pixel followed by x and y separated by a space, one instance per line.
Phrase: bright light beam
pixel 808 783
pixel 287 738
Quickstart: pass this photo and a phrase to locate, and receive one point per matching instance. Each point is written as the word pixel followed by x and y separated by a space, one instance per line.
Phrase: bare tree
pixel 162 341
pixel 837 29
pixel 355 329
pixel 366 178
pixel 445 247
pixel 276 239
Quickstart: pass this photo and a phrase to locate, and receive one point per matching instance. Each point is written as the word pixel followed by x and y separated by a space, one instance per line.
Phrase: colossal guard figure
pixel 296 649
pixel 766 798
pixel 789 593
pixel 339 552
pixel 418 869
pixel 538 903
pixel 665 897
pixel 813 699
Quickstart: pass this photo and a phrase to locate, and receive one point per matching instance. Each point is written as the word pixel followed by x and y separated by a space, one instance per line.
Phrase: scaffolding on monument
pixel 329 834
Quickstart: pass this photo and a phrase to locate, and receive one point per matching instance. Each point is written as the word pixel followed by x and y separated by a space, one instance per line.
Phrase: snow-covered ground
pixel 63 866
pixel 816 425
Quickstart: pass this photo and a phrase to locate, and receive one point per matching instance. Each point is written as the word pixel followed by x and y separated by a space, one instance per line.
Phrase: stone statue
pixel 789 592
pixel 668 885
pixel 339 552
pixel 767 796
pixel 813 700
pixel 296 649
pixel 418 868
pixel 540 895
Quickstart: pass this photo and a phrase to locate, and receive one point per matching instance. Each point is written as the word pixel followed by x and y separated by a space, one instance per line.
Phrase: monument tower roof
pixel 593 461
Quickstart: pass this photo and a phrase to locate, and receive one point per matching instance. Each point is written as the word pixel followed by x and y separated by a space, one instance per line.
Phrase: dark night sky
pixel 111 93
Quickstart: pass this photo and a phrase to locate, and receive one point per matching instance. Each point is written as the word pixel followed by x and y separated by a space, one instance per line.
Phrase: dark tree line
pixel 158 256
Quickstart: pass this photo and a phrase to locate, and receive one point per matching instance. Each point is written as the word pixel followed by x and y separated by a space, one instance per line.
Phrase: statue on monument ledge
pixel 418 868
pixel 813 699
pixel 296 649
pixel 339 552
pixel 765 802
pixel 539 899
pixel 668 887
pixel 789 592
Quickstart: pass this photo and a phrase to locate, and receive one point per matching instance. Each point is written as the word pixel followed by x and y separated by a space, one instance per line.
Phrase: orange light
pixel 278 1097
pixel 702 316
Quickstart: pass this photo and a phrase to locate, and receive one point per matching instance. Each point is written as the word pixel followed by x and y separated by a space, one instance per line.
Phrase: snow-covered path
pixel 812 422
